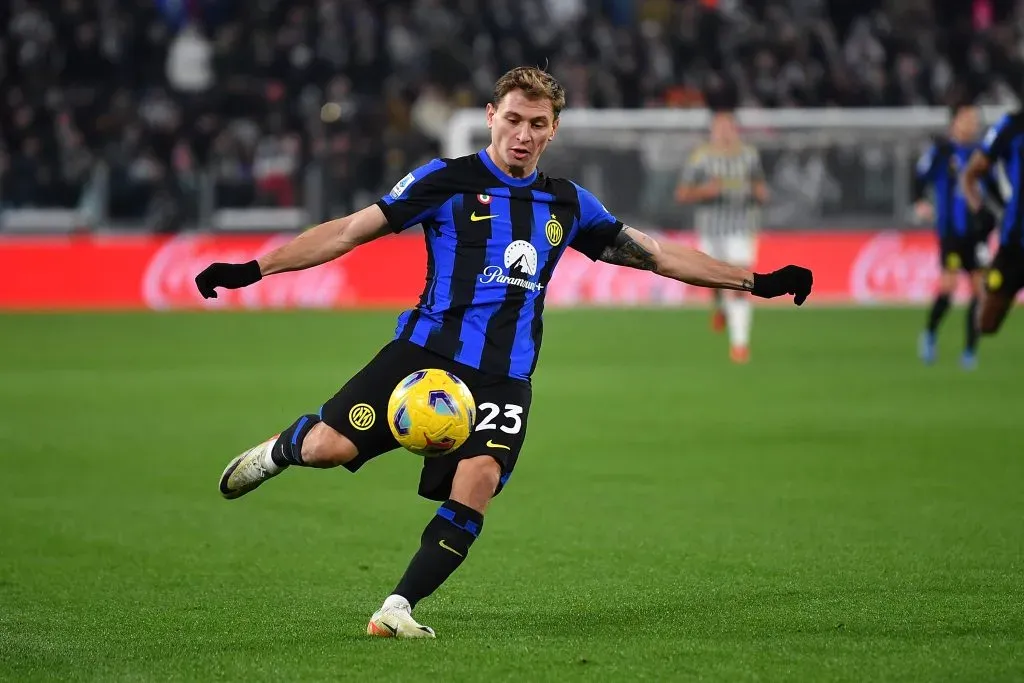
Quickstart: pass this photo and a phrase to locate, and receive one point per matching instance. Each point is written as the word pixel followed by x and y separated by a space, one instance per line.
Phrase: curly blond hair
pixel 535 83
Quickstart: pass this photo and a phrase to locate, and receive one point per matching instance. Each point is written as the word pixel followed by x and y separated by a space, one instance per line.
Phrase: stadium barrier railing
pixel 826 168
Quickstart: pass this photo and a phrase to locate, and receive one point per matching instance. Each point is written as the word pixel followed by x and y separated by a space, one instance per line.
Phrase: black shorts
pixel 1006 276
pixel 962 253
pixel 359 411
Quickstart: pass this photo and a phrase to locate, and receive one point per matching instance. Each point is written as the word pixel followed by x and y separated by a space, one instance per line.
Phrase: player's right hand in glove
pixel 788 280
pixel 227 275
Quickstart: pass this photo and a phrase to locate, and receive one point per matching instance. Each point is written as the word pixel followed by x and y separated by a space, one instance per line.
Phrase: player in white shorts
pixel 725 180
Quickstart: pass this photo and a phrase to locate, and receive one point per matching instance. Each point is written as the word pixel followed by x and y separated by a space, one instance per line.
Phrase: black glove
pixel 227 275
pixel 983 223
pixel 789 280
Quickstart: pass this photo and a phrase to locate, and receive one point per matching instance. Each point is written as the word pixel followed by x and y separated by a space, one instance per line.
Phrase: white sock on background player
pixel 738 314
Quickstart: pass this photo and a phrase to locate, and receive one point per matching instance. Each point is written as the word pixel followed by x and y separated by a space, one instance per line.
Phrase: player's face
pixel 521 129
pixel 966 123
pixel 724 131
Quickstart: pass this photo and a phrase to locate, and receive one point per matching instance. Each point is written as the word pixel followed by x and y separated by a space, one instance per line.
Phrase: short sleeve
pixel 416 197
pixel 996 140
pixel 925 163
pixel 923 172
pixel 598 228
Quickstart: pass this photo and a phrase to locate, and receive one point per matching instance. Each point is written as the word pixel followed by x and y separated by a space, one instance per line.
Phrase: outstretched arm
pixel 319 244
pixel 326 242
pixel 636 249
pixel 977 168
pixel 698 192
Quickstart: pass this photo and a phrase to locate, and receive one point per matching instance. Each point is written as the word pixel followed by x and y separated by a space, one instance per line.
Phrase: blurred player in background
pixel 962 246
pixel 724 178
pixel 1003 144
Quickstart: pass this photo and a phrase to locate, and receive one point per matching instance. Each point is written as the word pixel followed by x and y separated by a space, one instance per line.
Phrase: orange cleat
pixel 739 354
pixel 718 321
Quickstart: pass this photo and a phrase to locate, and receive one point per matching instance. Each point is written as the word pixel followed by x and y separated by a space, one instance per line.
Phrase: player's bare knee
pixel 476 480
pixel 325 447
pixel 947 282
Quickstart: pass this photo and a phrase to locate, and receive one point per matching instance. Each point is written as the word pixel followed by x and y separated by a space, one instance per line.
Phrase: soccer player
pixel 961 245
pixel 494 229
pixel 1001 144
pixel 725 179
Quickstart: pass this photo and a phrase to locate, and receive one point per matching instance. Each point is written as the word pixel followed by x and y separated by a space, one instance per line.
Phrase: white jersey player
pixel 725 180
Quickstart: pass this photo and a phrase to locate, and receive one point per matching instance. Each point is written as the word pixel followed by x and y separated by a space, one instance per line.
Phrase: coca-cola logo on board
pixel 169 279
pixel 889 267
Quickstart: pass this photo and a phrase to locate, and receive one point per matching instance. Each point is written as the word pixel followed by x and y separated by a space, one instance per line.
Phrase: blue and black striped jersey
pixel 1004 142
pixel 940 167
pixel 492 245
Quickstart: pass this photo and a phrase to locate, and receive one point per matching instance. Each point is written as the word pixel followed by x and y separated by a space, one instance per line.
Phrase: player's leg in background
pixel 998 298
pixel 927 346
pixel 712 246
pixel 717 310
pixel 969 359
pixel 740 250
pixel 994 308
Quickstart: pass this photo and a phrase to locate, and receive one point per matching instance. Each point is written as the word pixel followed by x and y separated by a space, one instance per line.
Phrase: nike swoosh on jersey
pixel 491 444
pixel 473 217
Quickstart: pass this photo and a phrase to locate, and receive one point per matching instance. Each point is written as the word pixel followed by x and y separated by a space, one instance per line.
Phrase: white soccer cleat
pixel 394 620
pixel 249 470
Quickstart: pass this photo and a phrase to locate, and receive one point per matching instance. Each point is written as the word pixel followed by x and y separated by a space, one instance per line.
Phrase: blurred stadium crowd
pixel 247 95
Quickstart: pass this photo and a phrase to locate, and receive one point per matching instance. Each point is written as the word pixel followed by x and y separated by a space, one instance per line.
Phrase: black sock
pixel 939 309
pixel 972 325
pixel 443 547
pixel 288 449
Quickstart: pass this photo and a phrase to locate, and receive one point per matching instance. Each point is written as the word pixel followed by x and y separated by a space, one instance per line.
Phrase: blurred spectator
pixel 189 67
pixel 241 96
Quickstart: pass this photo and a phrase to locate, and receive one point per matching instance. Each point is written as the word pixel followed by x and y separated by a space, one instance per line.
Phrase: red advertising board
pixel 96 272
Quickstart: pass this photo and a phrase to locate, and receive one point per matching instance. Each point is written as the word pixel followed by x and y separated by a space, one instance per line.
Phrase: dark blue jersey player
pixel 1003 144
pixel 495 229
pixel 961 247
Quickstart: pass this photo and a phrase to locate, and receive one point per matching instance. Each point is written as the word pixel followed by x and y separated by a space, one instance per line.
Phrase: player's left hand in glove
pixel 227 275
pixel 789 280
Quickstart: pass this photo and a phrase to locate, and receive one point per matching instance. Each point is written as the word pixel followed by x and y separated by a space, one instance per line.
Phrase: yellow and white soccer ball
pixel 431 412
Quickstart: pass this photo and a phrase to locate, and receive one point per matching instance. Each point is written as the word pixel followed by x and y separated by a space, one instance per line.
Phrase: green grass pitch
pixel 832 512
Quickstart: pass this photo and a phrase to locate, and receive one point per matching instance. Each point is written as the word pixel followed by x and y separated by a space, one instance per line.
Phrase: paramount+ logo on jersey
pixel 520 265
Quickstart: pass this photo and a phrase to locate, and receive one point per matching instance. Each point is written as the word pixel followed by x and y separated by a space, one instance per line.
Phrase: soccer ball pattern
pixel 431 412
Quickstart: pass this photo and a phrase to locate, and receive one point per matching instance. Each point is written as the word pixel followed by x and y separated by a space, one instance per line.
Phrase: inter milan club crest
pixel 484 199
pixel 553 231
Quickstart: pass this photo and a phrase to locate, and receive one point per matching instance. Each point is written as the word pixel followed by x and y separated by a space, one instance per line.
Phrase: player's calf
pixel 927 343
pixel 323 447
pixel 993 312
pixel 476 479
